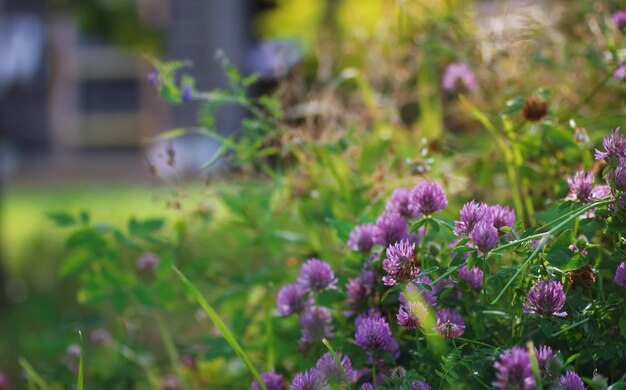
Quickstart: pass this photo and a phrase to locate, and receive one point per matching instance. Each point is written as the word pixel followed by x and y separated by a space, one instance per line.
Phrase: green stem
pixel 170 348
pixel 374 370
pixel 336 357
pixel 575 324
pixel 476 342
pixel 544 239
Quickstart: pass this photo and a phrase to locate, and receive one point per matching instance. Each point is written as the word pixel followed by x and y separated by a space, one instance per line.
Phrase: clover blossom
pixel 471 213
pixel 392 227
pixel 580 186
pixel 363 237
pixel 484 235
pixel 545 298
pixel 473 277
pixel 311 379
pixel 271 380
pixel 331 370
pixel 400 264
pixel 316 274
pixel 427 197
pixel 316 325
pixel 571 381
pixel 399 203
pixel 374 336
pixel 620 275
pixel 293 298
pixel 450 323
pixel 459 76
pixel 614 146
pixel 514 370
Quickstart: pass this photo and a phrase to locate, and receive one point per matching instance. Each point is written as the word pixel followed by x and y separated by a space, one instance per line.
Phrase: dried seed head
pixel 582 277
pixel 534 108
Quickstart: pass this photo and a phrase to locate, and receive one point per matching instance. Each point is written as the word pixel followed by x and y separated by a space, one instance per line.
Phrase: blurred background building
pixel 75 102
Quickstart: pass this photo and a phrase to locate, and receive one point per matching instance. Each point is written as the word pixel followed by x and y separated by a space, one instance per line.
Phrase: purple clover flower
pixel 620 275
pixel 473 277
pixel 400 263
pixel 544 356
pixel 620 176
pixel 316 274
pixel 101 336
pixel 316 325
pixel 412 314
pixel 311 379
pixel 147 262
pixel 419 385
pixel 363 237
pixel 331 370
pixel 427 197
pixel 471 213
pixel 187 93
pixel 292 298
pixel 502 216
pixel 580 186
pixel 614 146
pixel 392 228
pixel 355 290
pixel 514 370
pixel 571 381
pixel 271 380
pixel 453 285
pixel 399 203
pixel 620 72
pixel 367 386
pixel 458 76
pixel 153 77
pixel 484 235
pixel 429 296
pixel 450 323
pixel 374 336
pixel 545 298
pixel 619 18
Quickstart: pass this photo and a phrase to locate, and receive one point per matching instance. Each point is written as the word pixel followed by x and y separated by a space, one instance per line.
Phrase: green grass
pixel 26 233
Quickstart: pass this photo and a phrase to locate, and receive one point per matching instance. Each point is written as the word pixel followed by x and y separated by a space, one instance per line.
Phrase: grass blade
pixel 81 374
pixel 215 318
pixel 332 351
pixel 33 375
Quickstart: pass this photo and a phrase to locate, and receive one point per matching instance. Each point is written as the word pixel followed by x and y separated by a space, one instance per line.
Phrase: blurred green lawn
pixel 28 236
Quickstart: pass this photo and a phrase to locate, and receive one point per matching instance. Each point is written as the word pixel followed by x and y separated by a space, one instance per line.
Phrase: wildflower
pixel 471 213
pixel 400 263
pixel 148 262
pixel 459 76
pixel 473 277
pixel 153 77
pixel 427 197
pixel 4 381
pixel 355 290
pixel 454 287
pixel 292 298
pixel 101 337
pixel 571 381
pixel 311 379
pixel 367 386
pixel 368 276
pixel 399 203
pixel 419 385
pixel 620 275
pixel 316 274
pixel 614 146
pixel 316 325
pixel 620 72
pixel 363 237
pixel 580 186
pixel 534 108
pixel 72 357
pixel 619 176
pixel 391 228
pixel 374 336
pixel 502 216
pixel 170 382
pixel 600 191
pixel 331 370
pixel 412 314
pixel 429 296
pixel 619 18
pixel 484 235
pixel 187 93
pixel 450 323
pixel 271 380
pixel 545 298
pixel 582 277
pixel 371 313
pixel 544 356
pixel 514 370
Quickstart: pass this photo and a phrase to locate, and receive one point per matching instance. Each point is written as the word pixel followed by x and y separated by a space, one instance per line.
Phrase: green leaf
pixel 434 224
pixel 417 224
pixel 81 379
pixel 560 256
pixel 75 263
pixel 61 218
pixel 145 227
pixel 217 321
pixel 513 105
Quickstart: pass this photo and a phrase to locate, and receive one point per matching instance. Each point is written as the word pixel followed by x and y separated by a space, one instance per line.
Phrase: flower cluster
pixel 482 224
pixel 514 368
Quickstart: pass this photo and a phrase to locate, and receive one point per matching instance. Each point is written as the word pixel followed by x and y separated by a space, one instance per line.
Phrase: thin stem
pixel 170 348
pixel 544 239
pixel 374 370
pixel 476 342
pixel 575 324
